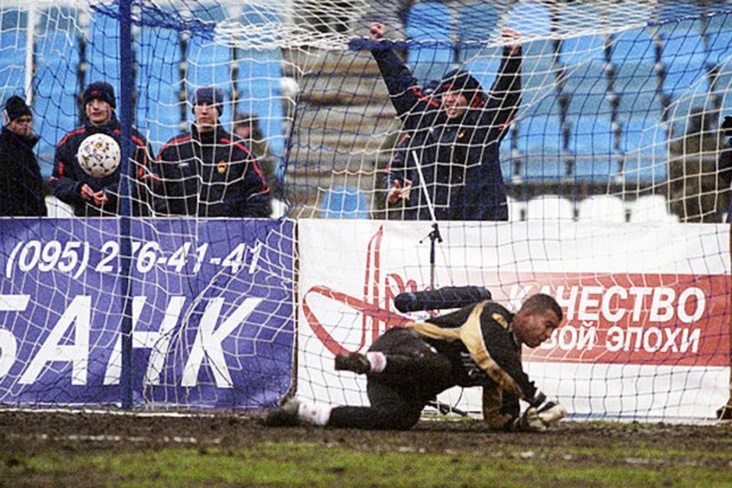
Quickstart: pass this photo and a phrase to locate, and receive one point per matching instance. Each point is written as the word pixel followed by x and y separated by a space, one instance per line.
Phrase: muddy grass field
pixel 29 436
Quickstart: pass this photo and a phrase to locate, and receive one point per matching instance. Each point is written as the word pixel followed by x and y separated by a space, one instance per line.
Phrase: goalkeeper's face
pixel 532 327
pixel 454 103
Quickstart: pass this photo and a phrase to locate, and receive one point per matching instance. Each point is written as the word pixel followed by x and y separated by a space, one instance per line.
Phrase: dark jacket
pixel 725 172
pixel 21 184
pixel 459 159
pixel 486 355
pixel 210 174
pixel 68 177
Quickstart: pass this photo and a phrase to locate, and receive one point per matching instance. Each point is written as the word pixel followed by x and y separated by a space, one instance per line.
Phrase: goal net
pixel 592 163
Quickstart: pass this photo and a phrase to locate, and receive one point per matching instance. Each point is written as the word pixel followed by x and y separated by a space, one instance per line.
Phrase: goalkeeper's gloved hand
pixel 539 419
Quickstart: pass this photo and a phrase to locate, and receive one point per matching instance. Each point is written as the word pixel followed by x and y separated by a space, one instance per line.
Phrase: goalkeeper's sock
pixel 377 361
pixel 313 414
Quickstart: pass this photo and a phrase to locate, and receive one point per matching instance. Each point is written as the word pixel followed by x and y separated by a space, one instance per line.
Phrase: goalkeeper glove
pixel 539 419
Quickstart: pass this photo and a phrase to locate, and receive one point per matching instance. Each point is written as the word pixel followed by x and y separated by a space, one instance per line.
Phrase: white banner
pixel 645 335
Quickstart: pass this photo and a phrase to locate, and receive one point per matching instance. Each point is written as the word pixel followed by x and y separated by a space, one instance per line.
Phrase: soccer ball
pixel 99 155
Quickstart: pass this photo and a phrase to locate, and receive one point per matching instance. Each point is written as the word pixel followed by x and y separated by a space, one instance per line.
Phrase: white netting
pixel 618 122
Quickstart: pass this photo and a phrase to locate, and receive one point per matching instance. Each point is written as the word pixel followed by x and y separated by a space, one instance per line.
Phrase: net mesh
pixel 619 121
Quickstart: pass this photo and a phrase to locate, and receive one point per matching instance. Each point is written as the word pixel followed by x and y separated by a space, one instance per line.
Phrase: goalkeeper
pixel 449 158
pixel 406 368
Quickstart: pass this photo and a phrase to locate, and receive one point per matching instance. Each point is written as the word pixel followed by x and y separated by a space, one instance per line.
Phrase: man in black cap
pixel 208 172
pixel 21 184
pixel 92 196
pixel 449 157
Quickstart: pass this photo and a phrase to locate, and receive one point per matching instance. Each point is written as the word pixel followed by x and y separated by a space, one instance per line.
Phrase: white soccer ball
pixel 99 155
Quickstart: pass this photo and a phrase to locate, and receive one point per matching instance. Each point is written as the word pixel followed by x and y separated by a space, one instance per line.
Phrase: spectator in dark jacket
pixel 725 161
pixel 449 156
pixel 21 184
pixel 209 172
pixel 247 127
pixel 91 196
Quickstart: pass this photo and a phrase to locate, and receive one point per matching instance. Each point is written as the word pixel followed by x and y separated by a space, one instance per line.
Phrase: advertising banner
pixel 646 329
pixel 212 312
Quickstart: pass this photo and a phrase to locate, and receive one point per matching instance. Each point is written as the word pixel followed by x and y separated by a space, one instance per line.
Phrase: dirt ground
pixel 26 436
pixel 32 432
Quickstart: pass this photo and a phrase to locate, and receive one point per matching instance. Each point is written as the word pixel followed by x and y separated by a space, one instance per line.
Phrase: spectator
pixel 21 184
pixel 208 172
pixel 697 188
pixel 725 162
pixel 247 127
pixel 450 150
pixel 407 367
pixel 92 196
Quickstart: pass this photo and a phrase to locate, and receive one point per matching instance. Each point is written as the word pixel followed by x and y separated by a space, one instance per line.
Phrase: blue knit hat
pixel 211 95
pixel 100 90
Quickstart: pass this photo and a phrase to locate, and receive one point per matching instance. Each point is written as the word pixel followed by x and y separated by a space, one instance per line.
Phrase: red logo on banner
pixel 657 319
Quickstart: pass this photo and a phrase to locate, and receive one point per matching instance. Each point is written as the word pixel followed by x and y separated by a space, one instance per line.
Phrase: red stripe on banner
pixel 644 319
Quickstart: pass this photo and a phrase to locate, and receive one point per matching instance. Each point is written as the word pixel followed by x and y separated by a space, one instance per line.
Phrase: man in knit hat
pixel 91 196
pixel 208 172
pixel 21 184
pixel 447 164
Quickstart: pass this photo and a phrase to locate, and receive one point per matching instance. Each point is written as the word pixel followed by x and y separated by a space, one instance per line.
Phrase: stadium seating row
pixel 61 57
pixel 350 203
pixel 599 208
pixel 588 127
pixel 623 93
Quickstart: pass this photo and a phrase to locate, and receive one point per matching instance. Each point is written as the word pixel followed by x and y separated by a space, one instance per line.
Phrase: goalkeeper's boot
pixel 285 415
pixel 357 362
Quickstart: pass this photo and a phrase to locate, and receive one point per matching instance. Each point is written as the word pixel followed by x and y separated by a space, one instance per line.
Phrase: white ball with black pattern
pixel 99 155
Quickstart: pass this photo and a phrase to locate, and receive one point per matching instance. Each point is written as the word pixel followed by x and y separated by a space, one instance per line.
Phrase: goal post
pixel 612 168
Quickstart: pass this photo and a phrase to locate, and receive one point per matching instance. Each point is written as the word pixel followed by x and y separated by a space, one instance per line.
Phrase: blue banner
pixel 212 305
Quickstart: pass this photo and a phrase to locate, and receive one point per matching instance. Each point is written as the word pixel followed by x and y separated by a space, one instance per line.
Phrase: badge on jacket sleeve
pixel 501 320
pixel 221 167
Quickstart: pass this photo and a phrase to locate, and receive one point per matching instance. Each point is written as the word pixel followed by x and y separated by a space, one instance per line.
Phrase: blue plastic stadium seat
pixel 538 87
pixel 581 50
pixel 260 82
pixel 55 83
pixel 724 82
pixel 540 144
pixel 12 62
pixel 592 143
pixel 55 90
pixel 209 63
pixel 683 54
pixel 158 85
pixel 345 203
pixel 102 53
pixel 431 53
pixel 644 142
pixel 478 25
pixel 719 32
pixel 530 18
pixel 260 93
pixel 478 22
pixel 582 20
pixel 587 89
pixel 635 45
pixel 637 90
